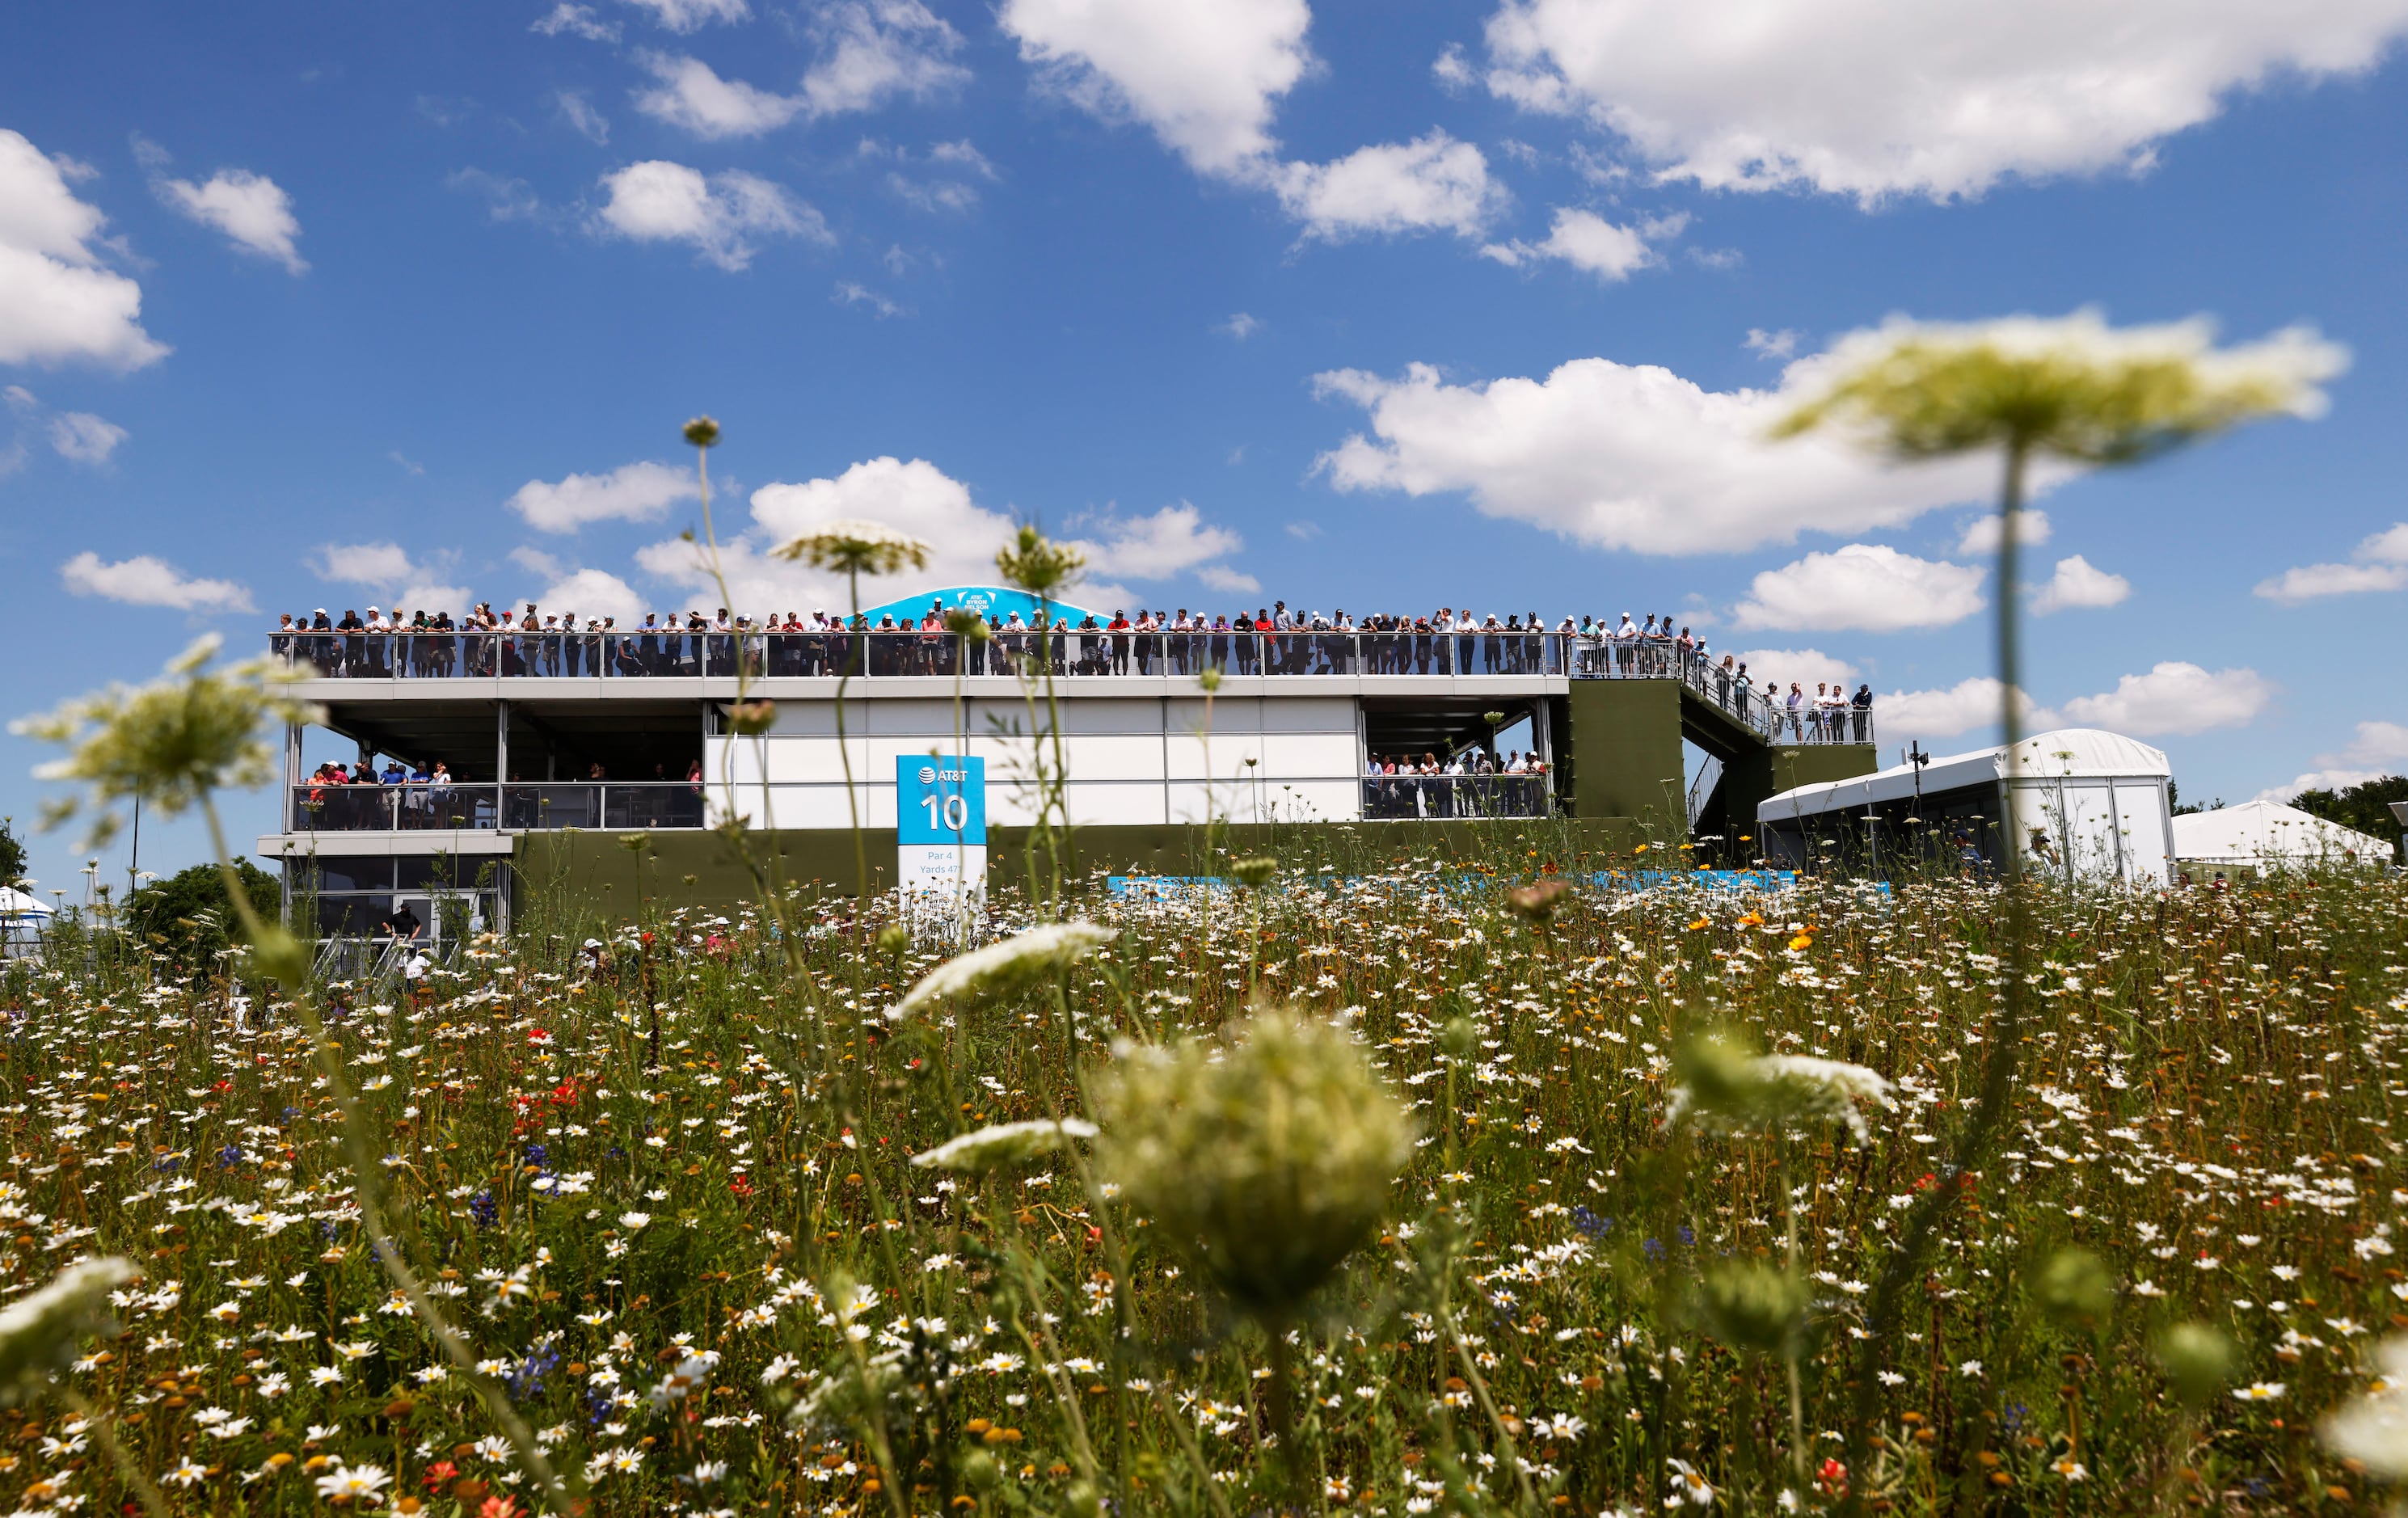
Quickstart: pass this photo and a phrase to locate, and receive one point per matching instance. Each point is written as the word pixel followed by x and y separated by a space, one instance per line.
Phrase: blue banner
pixel 940 800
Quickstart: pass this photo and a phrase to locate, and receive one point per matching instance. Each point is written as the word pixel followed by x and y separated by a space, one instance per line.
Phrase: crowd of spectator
pixel 1270 640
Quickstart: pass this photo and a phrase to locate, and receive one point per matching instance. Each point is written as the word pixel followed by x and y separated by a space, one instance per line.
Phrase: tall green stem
pixel 1883 1318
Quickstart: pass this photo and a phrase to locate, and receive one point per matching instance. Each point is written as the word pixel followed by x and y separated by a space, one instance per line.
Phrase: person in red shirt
pixel 1120 630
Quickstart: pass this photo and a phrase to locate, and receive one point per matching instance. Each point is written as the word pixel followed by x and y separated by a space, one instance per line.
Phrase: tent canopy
pixel 2269 832
pixel 2066 751
pixel 18 904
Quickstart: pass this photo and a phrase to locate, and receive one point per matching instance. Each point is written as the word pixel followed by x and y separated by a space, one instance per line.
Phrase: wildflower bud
pixel 894 938
pixel 1493 719
pixel 39 1334
pixel 1270 1159
pixel 1459 1038
pixel 2197 1360
pixel 1257 871
pixel 1210 679
pixel 1538 903
pixel 1724 1088
pixel 1003 1143
pixel 635 842
pixel 702 432
pixel 751 718
pixel 1753 1309
pixel 979 1471
pixel 280 956
pixel 2373 1428
pixel 1081 1500
pixel 2074 1289
pixel 1034 562
pixel 1000 969
pixel 963 623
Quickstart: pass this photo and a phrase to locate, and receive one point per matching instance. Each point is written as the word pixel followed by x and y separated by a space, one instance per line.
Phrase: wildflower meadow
pixel 661 1178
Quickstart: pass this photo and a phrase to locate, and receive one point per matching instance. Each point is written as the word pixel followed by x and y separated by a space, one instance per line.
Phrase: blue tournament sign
pixel 939 823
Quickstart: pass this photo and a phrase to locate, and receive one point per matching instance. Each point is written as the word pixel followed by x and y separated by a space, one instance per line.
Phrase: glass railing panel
pixel 1400 797
pixel 376 809
pixel 653 805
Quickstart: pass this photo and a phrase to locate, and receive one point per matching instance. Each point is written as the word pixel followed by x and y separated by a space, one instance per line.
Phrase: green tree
pixel 12 855
pixel 2366 807
pixel 191 915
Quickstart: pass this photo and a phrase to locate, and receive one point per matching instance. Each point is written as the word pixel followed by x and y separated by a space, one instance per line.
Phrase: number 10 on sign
pixel 939 823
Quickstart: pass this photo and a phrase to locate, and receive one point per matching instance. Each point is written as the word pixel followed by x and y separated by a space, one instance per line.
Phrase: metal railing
pixel 419 807
pixel 1394 797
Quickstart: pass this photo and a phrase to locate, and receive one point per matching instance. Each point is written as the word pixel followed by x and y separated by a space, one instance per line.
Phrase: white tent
pixel 2082 802
pixel 23 920
pixel 2267 833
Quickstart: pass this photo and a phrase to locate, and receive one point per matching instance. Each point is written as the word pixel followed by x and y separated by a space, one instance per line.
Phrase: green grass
pixel 2204 1103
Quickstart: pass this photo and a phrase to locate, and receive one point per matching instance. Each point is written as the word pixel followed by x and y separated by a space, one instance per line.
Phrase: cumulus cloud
pixel 884 50
pixel 1629 456
pixel 1908 716
pixel 916 497
pixel 2079 583
pixel 251 209
pixel 145 581
pixel 363 563
pixel 692 96
pixel 589 595
pixel 1805 666
pixel 1592 244
pixel 1220 576
pixel 722 217
pixel 687 15
pixel 576 20
pixel 1207 80
pixel 1939 99
pixel 1433 182
pixel 1781 344
pixel 2381 565
pixel 2173 697
pixel 58 303
pixel 631 493
pixel 870 51
pixel 85 437
pixel 1982 534
pixel 1239 326
pixel 2379 749
pixel 1865 586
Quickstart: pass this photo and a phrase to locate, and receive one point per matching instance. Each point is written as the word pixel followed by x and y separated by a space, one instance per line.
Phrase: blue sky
pixel 1379 307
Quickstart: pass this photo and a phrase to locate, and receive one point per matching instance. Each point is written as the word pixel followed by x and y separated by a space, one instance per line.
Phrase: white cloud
pixel 2382 565
pixel 918 498
pixel 506 199
pixel 85 437
pixel 589 595
pixel 577 20
pixel 2379 749
pixel 1453 70
pixel 363 563
pixel 1207 80
pixel 1765 344
pixel 875 51
pixel 1220 576
pixel 722 217
pixel 57 303
pixel 1433 182
pixel 1205 77
pixel 2079 583
pixel 590 123
pixel 1165 544
pixel 1868 586
pixel 853 293
pixel 251 209
pixel 431 597
pixel 1903 717
pixel 1805 666
pixel 145 581
pixel 1239 326
pixel 631 493
pixel 963 154
pixel 1630 456
pixel 1594 245
pixel 693 97
pixel 2173 697
pixel 2032 529
pixel 1941 98
pixel 535 561
pixel 686 15
pixel 870 51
